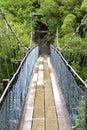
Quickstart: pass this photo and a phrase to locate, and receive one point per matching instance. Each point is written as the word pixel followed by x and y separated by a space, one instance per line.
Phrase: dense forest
pixel 66 15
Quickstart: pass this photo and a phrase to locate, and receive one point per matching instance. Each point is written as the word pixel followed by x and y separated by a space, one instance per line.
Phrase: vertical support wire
pixel 9 51
pixel 9 30
pixel 56 39
pixel 6 64
pixel 14 34
pixel 1 73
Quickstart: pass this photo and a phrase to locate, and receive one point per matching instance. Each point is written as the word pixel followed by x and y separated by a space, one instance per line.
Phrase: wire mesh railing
pixel 74 94
pixel 12 99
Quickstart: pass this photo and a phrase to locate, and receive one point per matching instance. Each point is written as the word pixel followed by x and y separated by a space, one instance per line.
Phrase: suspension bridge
pixel 43 92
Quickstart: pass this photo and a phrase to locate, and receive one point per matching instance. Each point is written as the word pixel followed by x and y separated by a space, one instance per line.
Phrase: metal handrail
pixel 15 75
pixel 69 66
pixel 73 87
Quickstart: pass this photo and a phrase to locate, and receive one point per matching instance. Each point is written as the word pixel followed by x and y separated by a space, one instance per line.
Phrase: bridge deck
pixel 44 108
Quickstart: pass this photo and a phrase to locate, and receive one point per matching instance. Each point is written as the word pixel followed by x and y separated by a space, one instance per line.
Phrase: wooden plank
pixel 51 124
pixel 38 125
pixel 50 111
pixel 27 115
pixel 45 108
pixel 38 116
pixel 62 113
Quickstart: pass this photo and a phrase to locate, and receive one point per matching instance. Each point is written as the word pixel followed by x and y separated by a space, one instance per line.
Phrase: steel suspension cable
pixel 10 56
pixel 11 52
pixel 6 64
pixel 5 61
pixel 14 34
pixel 73 35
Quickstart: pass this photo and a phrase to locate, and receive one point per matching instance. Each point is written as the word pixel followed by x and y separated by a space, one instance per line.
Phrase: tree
pixel 84 5
pixel 68 24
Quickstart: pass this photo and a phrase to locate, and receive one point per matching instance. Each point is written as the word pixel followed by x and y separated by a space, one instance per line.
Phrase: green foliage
pixel 63 40
pixel 68 3
pixel 77 12
pixel 9 50
pixel 80 121
pixel 84 5
pixel 49 10
pixel 68 24
pixel 46 6
pixel 64 14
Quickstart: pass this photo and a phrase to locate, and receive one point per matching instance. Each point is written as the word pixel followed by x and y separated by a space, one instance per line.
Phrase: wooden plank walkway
pixel 44 108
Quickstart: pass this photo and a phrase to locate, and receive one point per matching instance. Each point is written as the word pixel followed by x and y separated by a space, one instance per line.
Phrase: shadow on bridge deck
pixel 45 107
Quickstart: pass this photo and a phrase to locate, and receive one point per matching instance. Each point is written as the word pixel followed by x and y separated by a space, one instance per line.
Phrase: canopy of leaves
pixel 84 5
pixel 64 14
pixel 68 24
